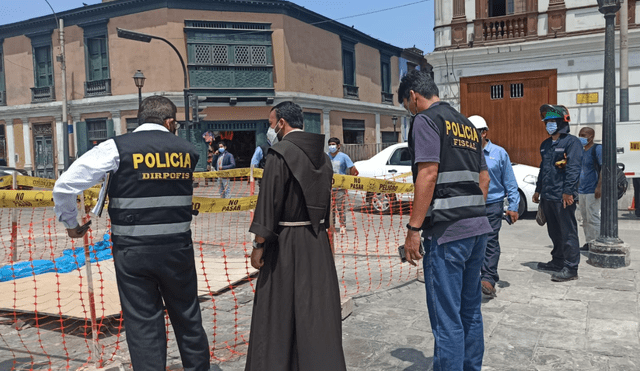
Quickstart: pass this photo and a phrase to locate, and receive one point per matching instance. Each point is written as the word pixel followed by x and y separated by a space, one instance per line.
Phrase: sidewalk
pixel 533 324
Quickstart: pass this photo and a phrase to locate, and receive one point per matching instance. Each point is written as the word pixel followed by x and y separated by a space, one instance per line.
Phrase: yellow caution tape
pixel 231 173
pixel 402 176
pixel 370 184
pixel 6 180
pixel 28 199
pixel 36 182
pixel 224 205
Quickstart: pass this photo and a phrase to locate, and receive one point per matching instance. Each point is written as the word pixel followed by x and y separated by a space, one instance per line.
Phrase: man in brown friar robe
pixel 296 322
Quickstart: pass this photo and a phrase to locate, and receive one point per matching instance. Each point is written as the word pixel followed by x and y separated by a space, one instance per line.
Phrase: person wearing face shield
pixel 296 321
pixel 150 198
pixel 557 191
pixel 342 164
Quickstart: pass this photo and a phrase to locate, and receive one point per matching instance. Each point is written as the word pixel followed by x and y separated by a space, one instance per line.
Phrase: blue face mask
pixel 584 141
pixel 552 127
pixel 333 148
pixel 221 150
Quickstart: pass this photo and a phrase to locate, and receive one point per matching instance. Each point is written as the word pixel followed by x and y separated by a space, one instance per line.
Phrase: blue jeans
pixel 225 188
pixel 452 280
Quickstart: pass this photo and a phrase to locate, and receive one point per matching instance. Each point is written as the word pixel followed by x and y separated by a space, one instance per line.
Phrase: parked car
pixel 4 171
pixel 395 161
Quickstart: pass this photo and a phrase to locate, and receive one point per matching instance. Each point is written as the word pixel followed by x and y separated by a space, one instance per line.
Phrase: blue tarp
pixel 63 264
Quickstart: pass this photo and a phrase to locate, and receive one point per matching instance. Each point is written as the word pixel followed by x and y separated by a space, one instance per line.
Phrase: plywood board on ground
pixel 66 294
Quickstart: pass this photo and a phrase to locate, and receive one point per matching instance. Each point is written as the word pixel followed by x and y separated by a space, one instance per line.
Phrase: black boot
pixel 565 274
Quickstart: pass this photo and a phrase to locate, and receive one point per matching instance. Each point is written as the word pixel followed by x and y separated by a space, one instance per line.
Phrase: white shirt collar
pixel 150 127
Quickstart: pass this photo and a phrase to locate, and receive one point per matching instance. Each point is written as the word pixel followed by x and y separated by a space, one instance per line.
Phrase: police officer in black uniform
pixel 451 185
pixel 557 191
pixel 150 198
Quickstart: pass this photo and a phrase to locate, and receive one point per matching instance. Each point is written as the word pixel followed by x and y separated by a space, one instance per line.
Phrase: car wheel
pixel 382 201
pixel 522 206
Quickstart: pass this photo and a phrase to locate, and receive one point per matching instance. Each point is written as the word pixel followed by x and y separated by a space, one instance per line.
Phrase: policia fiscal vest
pixel 457 194
pixel 150 194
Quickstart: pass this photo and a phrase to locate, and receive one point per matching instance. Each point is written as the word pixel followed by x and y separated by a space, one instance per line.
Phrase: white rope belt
pixel 297 224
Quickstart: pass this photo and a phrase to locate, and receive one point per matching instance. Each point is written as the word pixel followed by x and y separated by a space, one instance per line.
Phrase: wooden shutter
pixel 82 141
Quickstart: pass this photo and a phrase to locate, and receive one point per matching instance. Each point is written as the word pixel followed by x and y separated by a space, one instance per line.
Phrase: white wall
pixel 442 37
pixel 579 62
pixel 584 19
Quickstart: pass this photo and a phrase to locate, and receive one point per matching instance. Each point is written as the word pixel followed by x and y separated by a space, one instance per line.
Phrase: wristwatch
pixel 412 228
pixel 257 245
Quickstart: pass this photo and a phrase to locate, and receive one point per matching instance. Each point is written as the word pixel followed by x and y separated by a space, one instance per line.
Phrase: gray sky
pixel 403 23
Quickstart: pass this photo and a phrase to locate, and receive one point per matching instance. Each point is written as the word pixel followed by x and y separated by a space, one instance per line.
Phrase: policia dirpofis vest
pixel 150 195
pixel 457 194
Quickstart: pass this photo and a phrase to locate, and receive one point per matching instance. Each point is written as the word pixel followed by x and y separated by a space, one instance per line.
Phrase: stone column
pixel 117 127
pixel 378 133
pixel 326 127
pixel 11 147
pixel 59 130
pixel 73 142
pixel 26 136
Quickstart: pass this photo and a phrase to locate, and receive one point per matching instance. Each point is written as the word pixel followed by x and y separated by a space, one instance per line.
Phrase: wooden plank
pixel 61 295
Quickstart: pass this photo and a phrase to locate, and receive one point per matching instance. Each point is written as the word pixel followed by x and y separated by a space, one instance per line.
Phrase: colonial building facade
pixel 502 59
pixel 242 57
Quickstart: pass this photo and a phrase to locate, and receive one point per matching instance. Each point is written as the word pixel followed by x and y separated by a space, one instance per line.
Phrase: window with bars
pixel 224 56
pixel 497 92
pixel 517 90
pixel 3 143
pixel 96 131
pixel 132 124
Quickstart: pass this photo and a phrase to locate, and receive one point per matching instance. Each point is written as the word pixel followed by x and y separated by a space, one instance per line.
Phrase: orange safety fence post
pixel 633 205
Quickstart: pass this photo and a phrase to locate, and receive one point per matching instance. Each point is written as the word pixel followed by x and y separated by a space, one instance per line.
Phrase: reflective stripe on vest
pixel 150 202
pixel 150 229
pixel 458 176
pixel 459 201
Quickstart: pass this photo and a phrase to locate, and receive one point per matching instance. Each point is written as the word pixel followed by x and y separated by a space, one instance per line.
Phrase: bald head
pixel 587 133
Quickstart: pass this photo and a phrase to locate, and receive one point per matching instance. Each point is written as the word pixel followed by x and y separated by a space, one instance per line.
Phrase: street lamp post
pixel 395 120
pixel 609 251
pixel 142 37
pixel 139 78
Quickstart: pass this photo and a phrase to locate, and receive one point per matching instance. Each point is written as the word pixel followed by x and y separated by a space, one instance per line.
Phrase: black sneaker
pixel 550 266
pixel 585 247
pixel 565 274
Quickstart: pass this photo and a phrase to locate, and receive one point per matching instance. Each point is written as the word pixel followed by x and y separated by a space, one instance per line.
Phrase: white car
pixel 394 162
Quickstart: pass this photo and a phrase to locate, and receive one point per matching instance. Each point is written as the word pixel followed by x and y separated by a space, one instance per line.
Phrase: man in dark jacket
pixel 296 321
pixel 224 161
pixel 557 190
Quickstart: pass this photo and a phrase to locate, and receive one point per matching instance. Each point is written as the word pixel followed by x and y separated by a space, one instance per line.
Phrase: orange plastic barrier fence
pixel 64 319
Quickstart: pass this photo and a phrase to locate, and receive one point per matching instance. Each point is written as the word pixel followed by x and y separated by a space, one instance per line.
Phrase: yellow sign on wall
pixel 583 98
pixel 634 146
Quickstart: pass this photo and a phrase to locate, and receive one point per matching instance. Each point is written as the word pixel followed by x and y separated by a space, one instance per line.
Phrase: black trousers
pixel 563 231
pixel 146 276
pixel 489 271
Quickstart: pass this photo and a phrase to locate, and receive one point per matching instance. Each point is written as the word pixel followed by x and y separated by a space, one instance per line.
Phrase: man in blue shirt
pixel 341 165
pixel 503 184
pixel 590 186
pixel 557 189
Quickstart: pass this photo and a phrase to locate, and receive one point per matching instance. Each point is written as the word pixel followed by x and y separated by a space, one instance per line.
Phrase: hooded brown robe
pixel 296 322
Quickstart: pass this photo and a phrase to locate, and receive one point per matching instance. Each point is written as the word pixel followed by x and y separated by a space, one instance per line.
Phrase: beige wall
pixel 18 72
pixel 313 59
pixel 18 142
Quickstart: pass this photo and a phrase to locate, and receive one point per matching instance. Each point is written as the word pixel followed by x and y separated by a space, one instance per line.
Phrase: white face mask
pixel 333 148
pixel 272 136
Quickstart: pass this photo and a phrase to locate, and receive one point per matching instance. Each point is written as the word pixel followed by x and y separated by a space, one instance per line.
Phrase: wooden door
pixel 510 104
pixel 43 143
